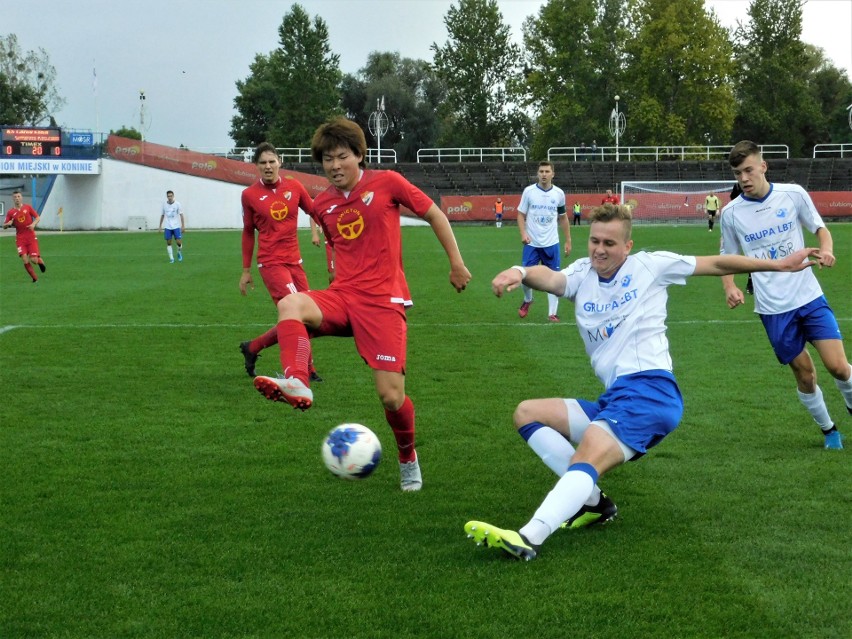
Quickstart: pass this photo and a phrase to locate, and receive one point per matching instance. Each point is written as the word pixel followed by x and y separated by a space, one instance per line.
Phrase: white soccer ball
pixel 351 451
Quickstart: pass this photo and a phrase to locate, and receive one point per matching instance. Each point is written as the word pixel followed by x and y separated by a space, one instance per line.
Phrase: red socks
pixel 402 425
pixel 295 349
pixel 266 340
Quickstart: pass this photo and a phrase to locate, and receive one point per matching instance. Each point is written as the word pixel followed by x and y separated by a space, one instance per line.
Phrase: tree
pixel 832 91
pixel 476 64
pixel 680 70
pixel 290 91
pixel 28 93
pixel 412 94
pixel 775 103
pixel 127 132
pixel 574 64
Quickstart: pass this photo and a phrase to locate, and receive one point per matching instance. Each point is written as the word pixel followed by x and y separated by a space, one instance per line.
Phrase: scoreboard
pixel 30 142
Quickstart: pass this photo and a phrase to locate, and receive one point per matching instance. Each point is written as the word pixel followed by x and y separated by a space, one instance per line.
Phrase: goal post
pixel 673 202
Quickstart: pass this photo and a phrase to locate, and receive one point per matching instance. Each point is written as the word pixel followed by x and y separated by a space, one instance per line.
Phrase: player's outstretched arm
pixel 540 277
pixel 731 264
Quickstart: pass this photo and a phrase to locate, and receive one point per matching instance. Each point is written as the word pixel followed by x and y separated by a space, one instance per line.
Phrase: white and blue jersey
pixel 171 215
pixel 542 209
pixel 622 320
pixel 771 228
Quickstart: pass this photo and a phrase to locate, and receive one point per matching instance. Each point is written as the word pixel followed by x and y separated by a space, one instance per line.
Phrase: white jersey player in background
pixel 172 225
pixel 542 207
pixel 620 308
pixel 766 221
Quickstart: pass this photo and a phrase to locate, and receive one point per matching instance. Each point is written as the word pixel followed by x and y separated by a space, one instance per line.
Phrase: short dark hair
pixel 262 148
pixel 170 192
pixel 18 191
pixel 546 163
pixel 742 150
pixel 339 132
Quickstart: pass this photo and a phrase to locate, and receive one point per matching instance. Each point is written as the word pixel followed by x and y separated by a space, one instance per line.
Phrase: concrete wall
pixel 124 190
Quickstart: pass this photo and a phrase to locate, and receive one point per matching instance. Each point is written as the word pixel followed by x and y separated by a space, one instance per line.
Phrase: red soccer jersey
pixel 610 199
pixel 21 219
pixel 273 210
pixel 365 233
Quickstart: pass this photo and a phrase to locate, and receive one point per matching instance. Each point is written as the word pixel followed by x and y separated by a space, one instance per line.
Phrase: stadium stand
pixel 494 178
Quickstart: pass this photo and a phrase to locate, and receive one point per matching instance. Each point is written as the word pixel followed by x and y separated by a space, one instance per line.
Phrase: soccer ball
pixel 351 451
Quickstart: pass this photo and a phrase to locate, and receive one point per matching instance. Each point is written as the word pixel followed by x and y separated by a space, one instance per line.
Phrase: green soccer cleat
pixel 508 541
pixel 605 511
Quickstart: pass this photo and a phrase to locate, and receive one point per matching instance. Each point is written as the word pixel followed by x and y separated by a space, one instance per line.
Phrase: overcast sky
pixel 187 54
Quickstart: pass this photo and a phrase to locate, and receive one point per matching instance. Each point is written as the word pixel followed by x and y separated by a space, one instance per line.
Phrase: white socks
pixel 555 451
pixel 816 407
pixel 552 304
pixel 561 503
pixel 845 389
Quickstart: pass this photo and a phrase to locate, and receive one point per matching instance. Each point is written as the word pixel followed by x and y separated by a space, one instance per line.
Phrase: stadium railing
pixel 833 150
pixel 654 153
pixel 473 154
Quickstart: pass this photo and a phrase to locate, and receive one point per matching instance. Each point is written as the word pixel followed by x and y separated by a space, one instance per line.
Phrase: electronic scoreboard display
pixel 31 141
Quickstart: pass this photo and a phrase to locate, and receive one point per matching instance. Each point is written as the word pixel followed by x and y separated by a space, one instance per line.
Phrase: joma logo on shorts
pixel 385 358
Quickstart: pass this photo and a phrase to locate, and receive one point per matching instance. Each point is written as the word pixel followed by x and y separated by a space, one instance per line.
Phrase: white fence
pixel 656 153
pixel 473 154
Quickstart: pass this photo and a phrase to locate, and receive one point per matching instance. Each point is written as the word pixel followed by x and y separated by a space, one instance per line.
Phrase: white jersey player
pixel 620 308
pixel 542 208
pixel 172 224
pixel 767 221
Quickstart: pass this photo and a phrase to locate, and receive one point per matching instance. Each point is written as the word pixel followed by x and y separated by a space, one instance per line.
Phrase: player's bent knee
pixel 525 413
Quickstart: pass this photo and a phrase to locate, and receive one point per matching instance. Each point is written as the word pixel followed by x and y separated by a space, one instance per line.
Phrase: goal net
pixel 680 202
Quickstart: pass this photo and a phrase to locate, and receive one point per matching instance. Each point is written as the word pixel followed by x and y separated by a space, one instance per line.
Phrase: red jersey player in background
pixel 610 198
pixel 271 209
pixel 25 219
pixel 360 216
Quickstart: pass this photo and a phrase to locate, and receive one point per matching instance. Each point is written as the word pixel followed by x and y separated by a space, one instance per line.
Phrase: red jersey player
pixel 270 209
pixel 610 198
pixel 25 219
pixel 360 216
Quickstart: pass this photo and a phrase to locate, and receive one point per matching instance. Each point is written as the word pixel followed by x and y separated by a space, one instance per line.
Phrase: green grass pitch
pixel 148 490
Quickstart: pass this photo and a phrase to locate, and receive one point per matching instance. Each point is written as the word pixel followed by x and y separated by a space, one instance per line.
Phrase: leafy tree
pixel 775 103
pixel 574 66
pixel 680 75
pixel 127 132
pixel 832 91
pixel 412 94
pixel 476 64
pixel 290 91
pixel 28 93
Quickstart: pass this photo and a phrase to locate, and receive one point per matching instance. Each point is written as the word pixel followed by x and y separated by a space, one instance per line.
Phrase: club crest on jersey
pixel 287 195
pixel 350 223
pixel 367 197
pixel 625 281
pixel 278 210
pixel 781 213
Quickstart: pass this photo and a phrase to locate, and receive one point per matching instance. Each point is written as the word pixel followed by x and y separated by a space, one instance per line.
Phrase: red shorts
pixel 283 279
pixel 378 326
pixel 27 244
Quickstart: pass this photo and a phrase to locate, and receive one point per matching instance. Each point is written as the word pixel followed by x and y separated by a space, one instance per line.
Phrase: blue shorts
pixel 641 409
pixel 788 332
pixel 171 233
pixel 547 255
